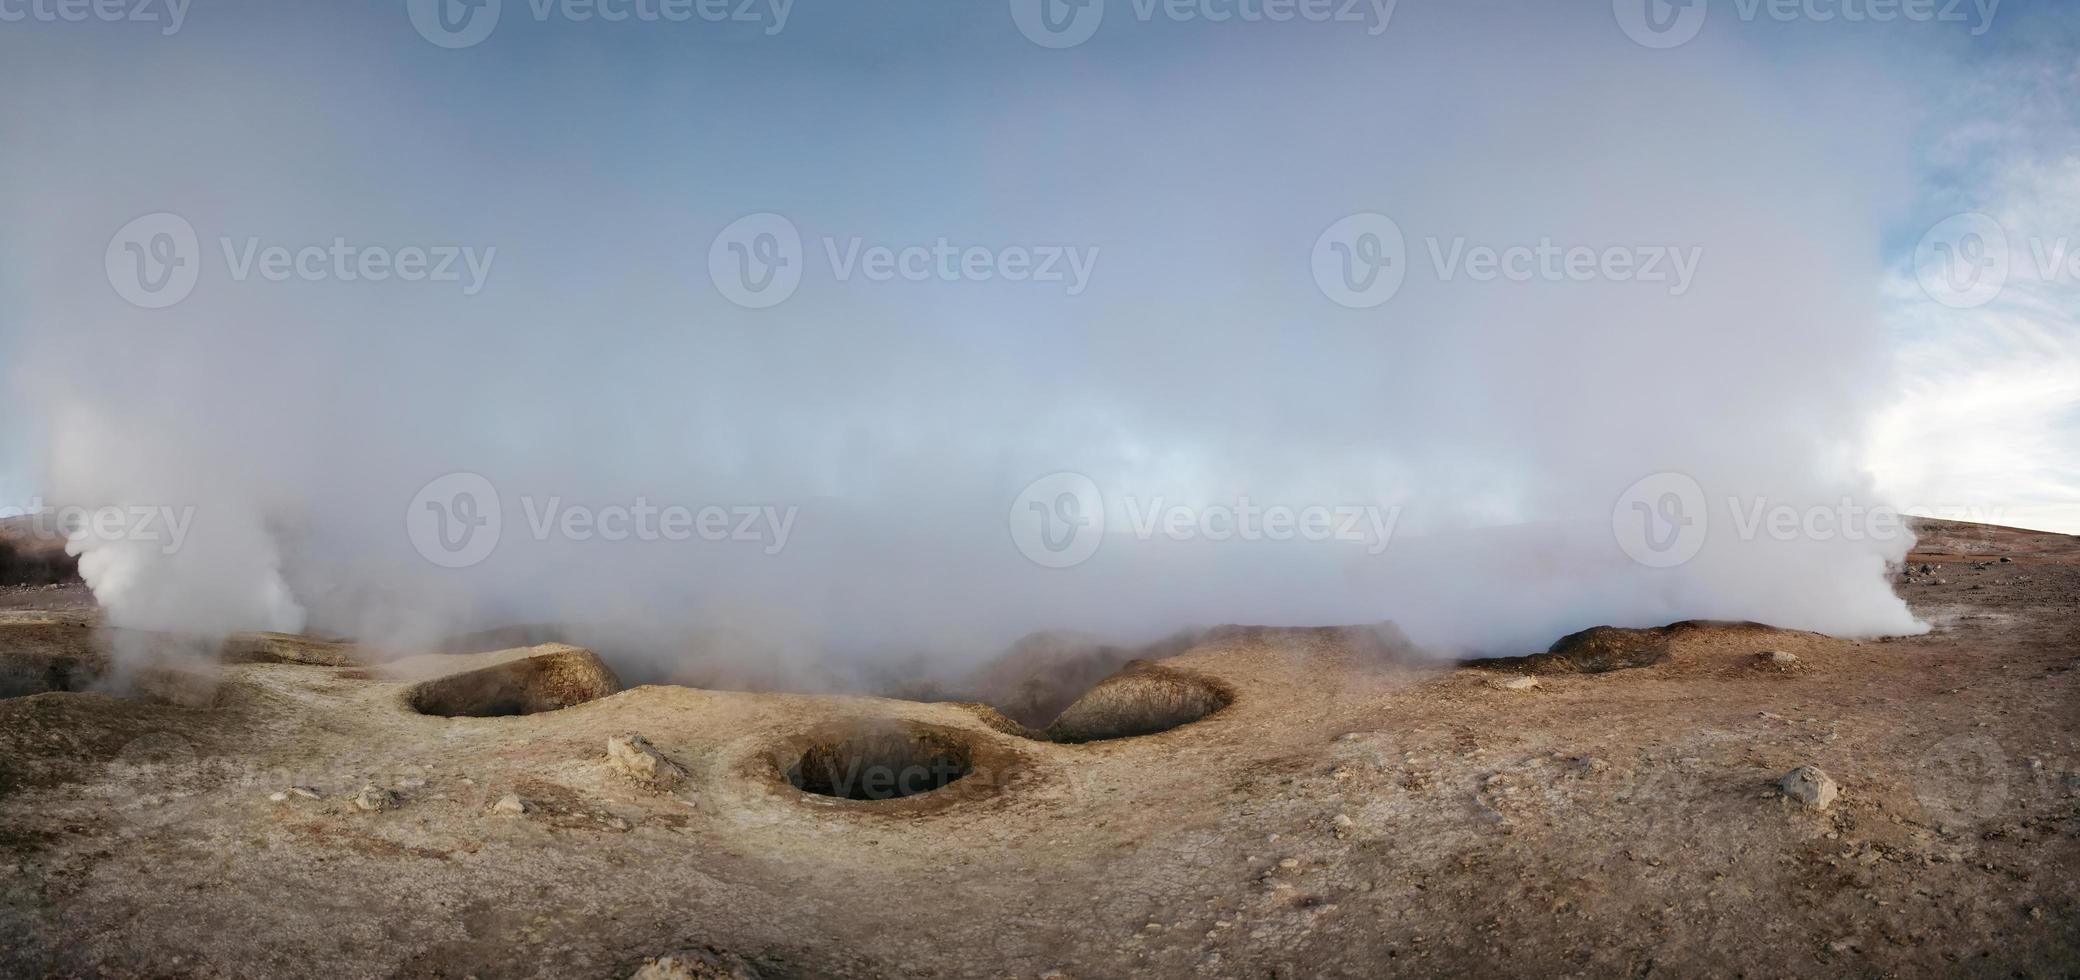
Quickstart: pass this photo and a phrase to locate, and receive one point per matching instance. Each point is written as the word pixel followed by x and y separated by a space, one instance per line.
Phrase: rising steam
pixel 1498 422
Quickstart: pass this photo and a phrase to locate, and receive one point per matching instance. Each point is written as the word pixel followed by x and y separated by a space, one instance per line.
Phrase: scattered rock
pixel 1518 683
pixel 633 756
pixel 1777 658
pixel 696 964
pixel 307 792
pixel 509 805
pixel 1289 863
pixel 1342 821
pixel 279 796
pixel 373 798
pixel 1810 786
pixel 2005 559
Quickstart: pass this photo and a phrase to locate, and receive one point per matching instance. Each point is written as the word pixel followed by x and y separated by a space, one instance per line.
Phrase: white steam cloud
pixel 1492 425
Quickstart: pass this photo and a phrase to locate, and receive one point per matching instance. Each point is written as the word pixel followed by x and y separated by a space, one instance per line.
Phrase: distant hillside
pixel 29 558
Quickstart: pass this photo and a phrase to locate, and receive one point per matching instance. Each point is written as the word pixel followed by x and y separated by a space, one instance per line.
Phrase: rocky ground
pixel 1619 806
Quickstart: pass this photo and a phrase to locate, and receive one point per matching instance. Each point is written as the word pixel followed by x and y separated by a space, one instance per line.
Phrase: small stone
pixel 697 964
pixel 634 757
pixel 1777 658
pixel 2005 559
pixel 278 797
pixel 373 798
pixel 307 792
pixel 1810 786
pixel 1289 863
pixel 1519 683
pixel 1342 821
pixel 509 805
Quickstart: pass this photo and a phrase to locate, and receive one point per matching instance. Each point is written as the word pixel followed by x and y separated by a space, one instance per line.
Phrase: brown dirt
pixel 1347 815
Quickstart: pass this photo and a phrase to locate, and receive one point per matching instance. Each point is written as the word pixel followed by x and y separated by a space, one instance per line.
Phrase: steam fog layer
pixel 1476 432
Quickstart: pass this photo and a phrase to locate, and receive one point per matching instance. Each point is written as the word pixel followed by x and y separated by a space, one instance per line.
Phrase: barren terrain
pixel 1338 808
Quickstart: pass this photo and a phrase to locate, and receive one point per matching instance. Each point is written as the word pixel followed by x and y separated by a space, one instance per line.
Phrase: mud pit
pixel 881 762
pixel 1331 812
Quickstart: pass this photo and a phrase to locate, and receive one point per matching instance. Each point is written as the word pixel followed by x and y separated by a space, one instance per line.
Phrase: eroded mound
pixel 557 677
pixel 1043 674
pixel 285 648
pixel 1142 699
pixel 1600 649
pixel 882 762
